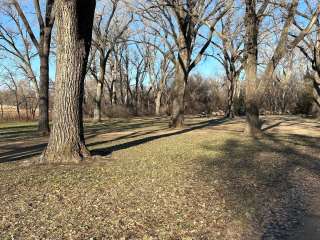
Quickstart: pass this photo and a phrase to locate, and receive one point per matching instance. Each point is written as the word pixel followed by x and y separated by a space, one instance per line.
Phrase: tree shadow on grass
pixel 108 150
pixel 258 181
pixel 17 152
pixel 21 153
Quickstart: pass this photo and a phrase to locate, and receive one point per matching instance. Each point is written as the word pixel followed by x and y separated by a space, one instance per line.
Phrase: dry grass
pixel 207 181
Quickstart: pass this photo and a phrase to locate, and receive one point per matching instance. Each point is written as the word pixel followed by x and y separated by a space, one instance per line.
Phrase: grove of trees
pixel 67 60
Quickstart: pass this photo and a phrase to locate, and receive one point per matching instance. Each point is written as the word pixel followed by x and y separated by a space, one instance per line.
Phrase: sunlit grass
pixel 209 183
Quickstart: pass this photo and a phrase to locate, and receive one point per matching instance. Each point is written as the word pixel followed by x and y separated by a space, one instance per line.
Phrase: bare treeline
pixel 168 57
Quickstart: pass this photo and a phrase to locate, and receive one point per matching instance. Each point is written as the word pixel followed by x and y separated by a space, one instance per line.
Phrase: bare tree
pixel 12 85
pixel 139 64
pixel 181 22
pixel 15 45
pixel 42 44
pixel 255 86
pixel 160 76
pixel 310 47
pixel 74 24
pixel 230 55
pixel 108 30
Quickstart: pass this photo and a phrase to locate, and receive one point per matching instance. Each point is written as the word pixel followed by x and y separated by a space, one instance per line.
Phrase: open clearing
pixel 206 181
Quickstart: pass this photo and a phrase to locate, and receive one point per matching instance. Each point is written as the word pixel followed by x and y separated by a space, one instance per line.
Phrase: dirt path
pixel 309 227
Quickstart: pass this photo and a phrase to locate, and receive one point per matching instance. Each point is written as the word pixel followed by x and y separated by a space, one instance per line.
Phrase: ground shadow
pixel 21 153
pixel 108 150
pixel 17 152
pixel 257 177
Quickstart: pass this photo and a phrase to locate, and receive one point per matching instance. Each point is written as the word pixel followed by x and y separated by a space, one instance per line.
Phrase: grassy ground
pixel 207 181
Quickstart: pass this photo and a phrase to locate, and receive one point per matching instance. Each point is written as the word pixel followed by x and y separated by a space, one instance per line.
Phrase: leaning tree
pixel 74 20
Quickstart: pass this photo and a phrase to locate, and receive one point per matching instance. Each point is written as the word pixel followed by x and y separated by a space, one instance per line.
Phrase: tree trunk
pixel 316 96
pixel 74 25
pixel 18 107
pixel 99 89
pixel 1 107
pixel 26 109
pixel 252 112
pixel 231 94
pixel 178 94
pixel 251 45
pixel 253 120
pixel 158 103
pixel 97 102
pixel 43 122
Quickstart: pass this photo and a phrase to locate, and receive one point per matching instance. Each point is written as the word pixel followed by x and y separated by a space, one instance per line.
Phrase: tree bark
pixel 178 95
pixel 43 122
pixel 251 45
pixel 316 94
pixel 17 105
pixel 158 103
pixel 97 102
pixel 99 90
pixel 1 107
pixel 74 24
pixel 231 94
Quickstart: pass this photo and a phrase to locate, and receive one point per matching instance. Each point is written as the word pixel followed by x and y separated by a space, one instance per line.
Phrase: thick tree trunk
pixel 253 120
pixel 178 95
pixel 252 111
pixel 251 45
pixel 43 122
pixel 74 24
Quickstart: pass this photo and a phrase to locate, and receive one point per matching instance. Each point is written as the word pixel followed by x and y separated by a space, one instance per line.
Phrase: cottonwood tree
pixel 255 86
pixel 180 22
pixel 74 19
pixel 108 29
pixel 42 44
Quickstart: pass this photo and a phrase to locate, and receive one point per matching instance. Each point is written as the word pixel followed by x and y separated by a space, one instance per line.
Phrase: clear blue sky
pixel 208 67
